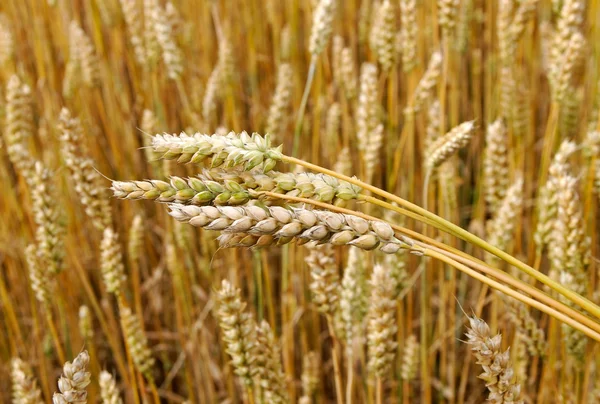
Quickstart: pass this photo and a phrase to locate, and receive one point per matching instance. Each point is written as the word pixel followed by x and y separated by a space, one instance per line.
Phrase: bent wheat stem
pixel 453 229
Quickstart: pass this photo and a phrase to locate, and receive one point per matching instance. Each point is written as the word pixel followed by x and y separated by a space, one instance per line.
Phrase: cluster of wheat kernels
pixel 297 268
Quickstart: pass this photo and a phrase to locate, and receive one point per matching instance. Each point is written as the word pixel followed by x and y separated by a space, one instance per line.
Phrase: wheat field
pixel 286 201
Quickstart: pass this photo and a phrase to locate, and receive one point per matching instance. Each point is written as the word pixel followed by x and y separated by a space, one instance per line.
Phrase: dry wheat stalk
pixel 281 101
pixel 495 164
pixel 49 231
pixel 236 187
pixel 278 224
pixel 268 360
pixel 111 262
pixel 134 23
pixel 409 31
pixel 239 331
pixel 383 35
pixel 137 344
pixel 497 371
pixel 410 358
pixel 86 180
pixel 322 26
pixel 429 80
pixel 86 328
pixel 108 389
pixel 25 389
pixel 73 381
pixel 381 327
pixel 443 148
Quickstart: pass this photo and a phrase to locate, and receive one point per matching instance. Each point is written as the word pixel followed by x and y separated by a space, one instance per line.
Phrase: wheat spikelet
pixel 428 81
pixel 443 148
pixel 230 150
pixel 575 341
pixel 85 323
pixel 211 94
pixel 325 285
pixel 239 331
pixel 565 69
pixel 336 60
pixel 41 281
pixel 570 21
pixel 268 361
pixel 364 21
pixel 278 224
pixel 497 371
pixel 570 245
pixel 236 187
pixel 383 34
pixel 311 374
pixel 163 31
pixel 396 266
pixel 6 41
pixel 433 125
pixel 410 358
pixel 501 227
pixel 151 45
pixel 25 389
pixel 86 180
pixel 530 332
pixel 546 204
pixel 108 389
pixel 381 328
pixel 332 125
pixel 353 297
pixel 348 73
pixel 137 344
pixel 465 15
pixel 83 55
pixel 136 237
pixel 322 26
pixel 408 34
pixel 49 232
pixel 135 26
pixel 19 124
pixel 73 381
pixel 343 165
pixel 366 116
pixel 371 152
pixel 281 101
pixel 569 114
pixel 113 270
pixel 495 164
pixel 447 17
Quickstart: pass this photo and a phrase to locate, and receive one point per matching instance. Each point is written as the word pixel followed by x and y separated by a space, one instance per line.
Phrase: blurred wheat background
pixel 484 112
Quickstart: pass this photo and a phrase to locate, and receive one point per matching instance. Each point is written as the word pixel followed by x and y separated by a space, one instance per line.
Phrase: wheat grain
pixel 410 358
pixel 272 378
pixel 171 54
pixel 325 285
pixel 428 81
pixel 383 33
pixel 41 281
pixel 113 270
pixel 85 323
pixel 353 296
pixel 83 55
pixel 367 120
pixel 408 34
pixel 134 23
pixel 7 42
pixel 495 164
